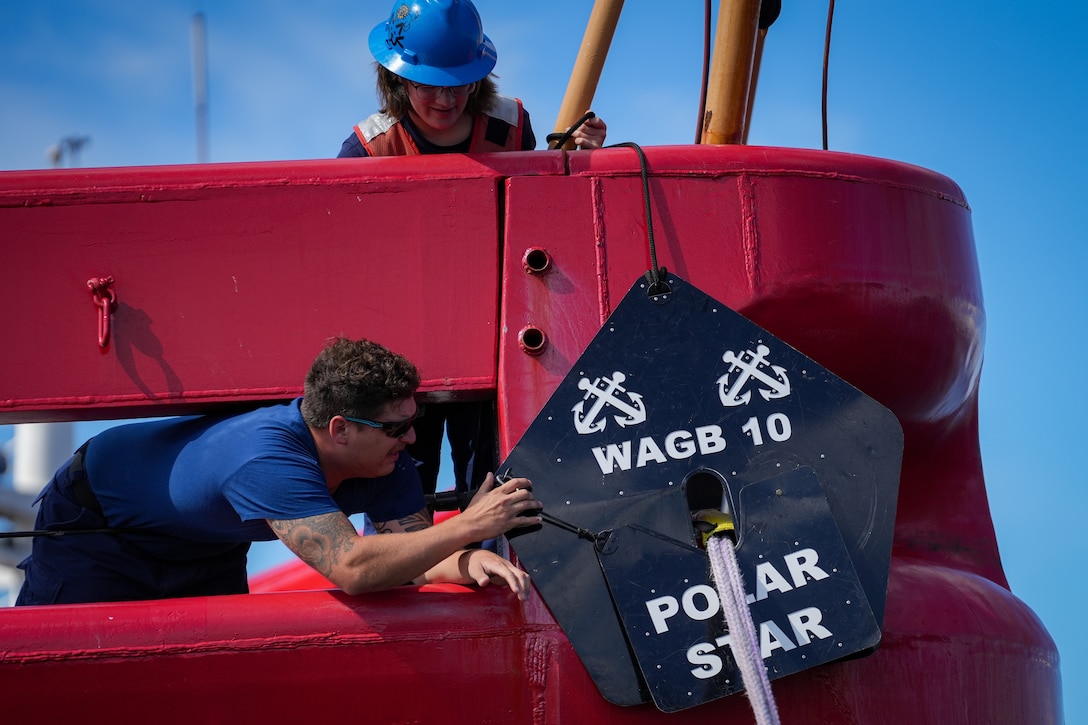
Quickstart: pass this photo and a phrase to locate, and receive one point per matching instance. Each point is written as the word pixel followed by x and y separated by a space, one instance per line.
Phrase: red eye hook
pixel 106 300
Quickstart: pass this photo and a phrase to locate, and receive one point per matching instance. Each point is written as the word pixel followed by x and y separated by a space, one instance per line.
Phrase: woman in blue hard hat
pixel 433 64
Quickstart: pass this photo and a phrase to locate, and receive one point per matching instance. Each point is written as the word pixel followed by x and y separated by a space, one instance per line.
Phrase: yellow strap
pixel 711 522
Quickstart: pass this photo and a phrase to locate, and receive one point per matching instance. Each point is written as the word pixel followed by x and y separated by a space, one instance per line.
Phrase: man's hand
pixel 495 509
pixel 485 567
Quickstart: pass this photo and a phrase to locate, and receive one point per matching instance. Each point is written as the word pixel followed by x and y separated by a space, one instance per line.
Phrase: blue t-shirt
pixel 217 478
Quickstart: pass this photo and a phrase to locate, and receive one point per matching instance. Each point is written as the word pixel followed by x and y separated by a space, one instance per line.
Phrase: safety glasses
pixel 431 92
pixel 393 429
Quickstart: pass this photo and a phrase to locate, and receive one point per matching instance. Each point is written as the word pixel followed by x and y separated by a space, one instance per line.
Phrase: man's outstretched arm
pixel 412 549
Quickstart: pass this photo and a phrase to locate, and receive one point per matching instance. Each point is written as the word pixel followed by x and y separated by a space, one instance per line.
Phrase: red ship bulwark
pixel 492 273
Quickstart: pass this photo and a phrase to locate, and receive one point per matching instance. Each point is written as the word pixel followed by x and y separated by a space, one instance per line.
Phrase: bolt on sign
pixel 680 404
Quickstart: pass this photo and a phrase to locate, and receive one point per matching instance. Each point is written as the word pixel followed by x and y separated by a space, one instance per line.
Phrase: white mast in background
pixel 38 450
pixel 200 87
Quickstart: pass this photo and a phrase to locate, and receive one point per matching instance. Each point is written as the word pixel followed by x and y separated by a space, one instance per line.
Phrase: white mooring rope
pixel 744 641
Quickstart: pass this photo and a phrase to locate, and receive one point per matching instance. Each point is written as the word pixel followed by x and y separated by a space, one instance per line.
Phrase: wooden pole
pixel 589 64
pixel 731 72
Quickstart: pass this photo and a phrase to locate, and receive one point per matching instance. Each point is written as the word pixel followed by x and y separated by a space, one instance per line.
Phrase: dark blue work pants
pixel 122 566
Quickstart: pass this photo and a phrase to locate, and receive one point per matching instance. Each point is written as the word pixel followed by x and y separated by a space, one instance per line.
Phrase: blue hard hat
pixel 434 42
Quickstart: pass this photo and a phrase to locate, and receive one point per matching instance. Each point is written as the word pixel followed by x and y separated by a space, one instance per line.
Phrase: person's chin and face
pixel 438 109
pixel 377 448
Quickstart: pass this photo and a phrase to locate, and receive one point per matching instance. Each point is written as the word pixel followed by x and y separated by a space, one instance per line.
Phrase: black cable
pixel 59 532
pixel 459 500
pixel 557 140
pixel 706 73
pixel 827 53
pixel 655 275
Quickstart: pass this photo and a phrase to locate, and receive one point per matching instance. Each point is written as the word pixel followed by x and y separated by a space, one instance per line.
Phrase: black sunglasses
pixel 393 429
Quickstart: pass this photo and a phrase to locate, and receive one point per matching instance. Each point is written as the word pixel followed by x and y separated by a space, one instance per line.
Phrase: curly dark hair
pixel 394 96
pixel 356 378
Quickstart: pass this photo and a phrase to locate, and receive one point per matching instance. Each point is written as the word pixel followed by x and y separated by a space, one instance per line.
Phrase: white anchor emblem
pixel 634 410
pixel 747 366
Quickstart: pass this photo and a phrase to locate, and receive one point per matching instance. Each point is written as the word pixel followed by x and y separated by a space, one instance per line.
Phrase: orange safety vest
pixel 501 129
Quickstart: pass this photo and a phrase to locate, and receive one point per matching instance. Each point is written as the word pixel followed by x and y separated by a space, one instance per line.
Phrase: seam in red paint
pixel 604 303
pixel 749 232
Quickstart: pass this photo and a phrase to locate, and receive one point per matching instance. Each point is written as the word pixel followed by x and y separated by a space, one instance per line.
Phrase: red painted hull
pixel 229 277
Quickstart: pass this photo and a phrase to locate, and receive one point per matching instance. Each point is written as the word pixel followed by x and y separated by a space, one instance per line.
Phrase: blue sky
pixel 986 92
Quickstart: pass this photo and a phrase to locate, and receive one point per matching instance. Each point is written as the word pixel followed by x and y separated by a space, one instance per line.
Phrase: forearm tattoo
pixel 317 540
pixel 415 522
